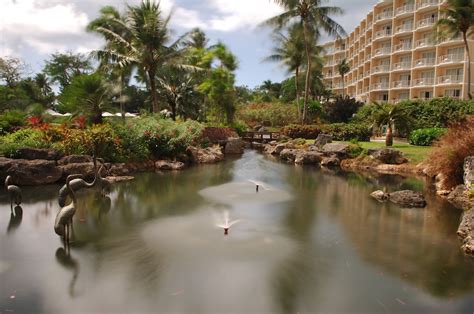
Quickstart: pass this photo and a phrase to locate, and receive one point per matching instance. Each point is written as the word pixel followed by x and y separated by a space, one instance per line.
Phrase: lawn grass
pixel 415 154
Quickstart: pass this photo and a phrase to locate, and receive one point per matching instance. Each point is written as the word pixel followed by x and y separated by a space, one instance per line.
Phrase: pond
pixel 309 241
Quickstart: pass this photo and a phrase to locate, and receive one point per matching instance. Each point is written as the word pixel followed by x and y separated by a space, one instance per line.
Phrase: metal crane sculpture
pixel 76 185
pixel 63 222
pixel 104 184
pixel 14 192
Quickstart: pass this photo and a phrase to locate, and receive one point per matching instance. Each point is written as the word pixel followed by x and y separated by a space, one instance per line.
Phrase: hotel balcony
pixel 381 69
pixel 379 86
pixel 424 62
pixel 424 43
pixel 402 47
pixel 425 4
pixel 403 29
pixel 446 41
pixel 383 16
pixel 382 34
pixel 382 52
pixel 401 66
pixel 451 58
pixel 450 79
pixel 429 22
pixel 405 9
pixel 401 84
pixel 423 82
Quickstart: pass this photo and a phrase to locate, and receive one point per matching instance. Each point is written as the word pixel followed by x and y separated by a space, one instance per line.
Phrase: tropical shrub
pixel 29 137
pixel 216 134
pixel 426 137
pixel 448 159
pixel 355 150
pixel 10 120
pixel 349 131
pixel 301 131
pixel 341 109
pixel 274 114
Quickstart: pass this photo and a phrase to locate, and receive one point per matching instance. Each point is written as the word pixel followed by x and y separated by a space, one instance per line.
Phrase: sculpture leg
pixel 72 228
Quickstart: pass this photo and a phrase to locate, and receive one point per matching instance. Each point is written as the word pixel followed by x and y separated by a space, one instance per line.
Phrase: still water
pixel 308 242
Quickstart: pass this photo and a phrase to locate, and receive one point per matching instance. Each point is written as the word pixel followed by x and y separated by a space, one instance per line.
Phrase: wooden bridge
pixel 261 136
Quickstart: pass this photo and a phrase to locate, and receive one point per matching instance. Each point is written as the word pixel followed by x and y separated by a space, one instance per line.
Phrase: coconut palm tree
pixel 343 68
pixel 459 19
pixel 289 52
pixel 391 116
pixel 314 18
pixel 140 40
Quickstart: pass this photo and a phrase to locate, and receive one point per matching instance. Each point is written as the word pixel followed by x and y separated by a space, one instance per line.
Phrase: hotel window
pixel 426 94
pixel 452 93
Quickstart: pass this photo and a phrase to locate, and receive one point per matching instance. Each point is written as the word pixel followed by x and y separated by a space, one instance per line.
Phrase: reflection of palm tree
pixel 63 257
pixel 15 218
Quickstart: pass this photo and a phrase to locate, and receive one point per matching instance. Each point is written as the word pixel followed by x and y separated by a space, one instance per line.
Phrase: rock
pixel 469 171
pixel 30 172
pixel 289 154
pixel 206 155
pixel 380 196
pixel 466 232
pixel 36 153
pixel 167 165
pixel 257 146
pixel 337 149
pixel 407 198
pixel 116 179
pixel 75 159
pixel 119 169
pixel 308 158
pixel 86 169
pixel 388 156
pixel 322 140
pixel 330 162
pixel 459 198
pixel 234 146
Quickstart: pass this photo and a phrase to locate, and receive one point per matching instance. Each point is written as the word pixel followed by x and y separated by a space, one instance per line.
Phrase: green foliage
pixel 341 109
pixel 349 131
pixel 10 120
pixel 355 150
pixel 63 67
pixel 426 137
pixel 308 132
pixel 10 143
pixel 315 110
pixel 274 114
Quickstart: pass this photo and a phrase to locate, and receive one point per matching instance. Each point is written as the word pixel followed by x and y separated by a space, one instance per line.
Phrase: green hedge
pixel 349 131
pixel 426 137
pixel 309 132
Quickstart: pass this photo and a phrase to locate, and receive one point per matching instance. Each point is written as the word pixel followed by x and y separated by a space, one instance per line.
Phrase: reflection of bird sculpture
pixel 63 222
pixel 15 218
pixel 104 184
pixel 14 192
pixel 64 258
pixel 227 224
pixel 76 185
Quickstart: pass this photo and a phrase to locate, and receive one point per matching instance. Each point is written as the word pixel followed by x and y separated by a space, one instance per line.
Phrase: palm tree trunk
pixel 297 76
pixel 464 35
pixel 154 98
pixel 343 92
pixel 308 71
pixel 389 136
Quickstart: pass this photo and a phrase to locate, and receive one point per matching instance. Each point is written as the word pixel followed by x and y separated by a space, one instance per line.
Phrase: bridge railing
pixel 261 136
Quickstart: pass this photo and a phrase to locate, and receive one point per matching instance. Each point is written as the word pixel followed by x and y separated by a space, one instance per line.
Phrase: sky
pixel 34 29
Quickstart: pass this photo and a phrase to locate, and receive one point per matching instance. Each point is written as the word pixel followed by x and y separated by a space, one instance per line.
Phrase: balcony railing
pixel 426 22
pixel 383 33
pixel 382 51
pixel 427 81
pixel 448 40
pixel 401 66
pixel 450 79
pixel 403 47
pixel 424 62
pixel 401 84
pixel 451 58
pixel 408 8
pixel 380 86
pixel 383 16
pixel 426 3
pixel 425 42
pixel 403 28
pixel 381 69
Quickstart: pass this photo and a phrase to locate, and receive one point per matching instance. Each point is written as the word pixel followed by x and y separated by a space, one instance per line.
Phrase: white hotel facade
pixel 393 55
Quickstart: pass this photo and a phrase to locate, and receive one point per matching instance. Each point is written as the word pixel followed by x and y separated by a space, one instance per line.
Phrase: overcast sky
pixel 34 29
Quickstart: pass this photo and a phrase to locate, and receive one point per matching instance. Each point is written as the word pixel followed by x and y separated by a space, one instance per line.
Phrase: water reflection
pixel 16 217
pixel 64 258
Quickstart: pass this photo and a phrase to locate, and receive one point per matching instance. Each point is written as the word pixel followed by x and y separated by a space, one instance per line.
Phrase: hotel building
pixel 394 55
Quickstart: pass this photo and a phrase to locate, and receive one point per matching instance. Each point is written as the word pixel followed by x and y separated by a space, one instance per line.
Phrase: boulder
pixel 31 172
pixel 258 146
pixel 322 140
pixel 388 156
pixel 36 153
pixel 86 169
pixel 234 146
pixel 407 198
pixel 330 162
pixel 469 171
pixel 206 155
pixel 289 154
pixel 119 170
pixel 277 149
pixel 166 165
pixel 75 159
pixel 380 196
pixel 459 197
pixel 308 158
pixel 466 232
pixel 337 149
pixel 116 179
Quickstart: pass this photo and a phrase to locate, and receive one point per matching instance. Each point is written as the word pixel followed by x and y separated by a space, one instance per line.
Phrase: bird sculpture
pixel 14 192
pixel 104 184
pixel 76 185
pixel 63 222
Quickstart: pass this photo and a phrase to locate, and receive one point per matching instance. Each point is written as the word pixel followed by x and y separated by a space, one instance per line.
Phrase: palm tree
pixel 343 68
pixel 289 51
pixel 459 19
pixel 313 17
pixel 391 116
pixel 140 40
pixel 197 39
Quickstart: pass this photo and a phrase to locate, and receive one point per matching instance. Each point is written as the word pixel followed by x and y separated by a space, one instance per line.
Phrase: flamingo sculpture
pixel 63 222
pixel 227 223
pixel 14 192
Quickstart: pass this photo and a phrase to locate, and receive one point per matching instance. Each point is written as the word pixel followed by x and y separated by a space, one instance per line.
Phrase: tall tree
pixel 289 51
pixel 391 116
pixel 11 70
pixel 141 42
pixel 314 18
pixel 459 19
pixel 63 67
pixel 343 68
